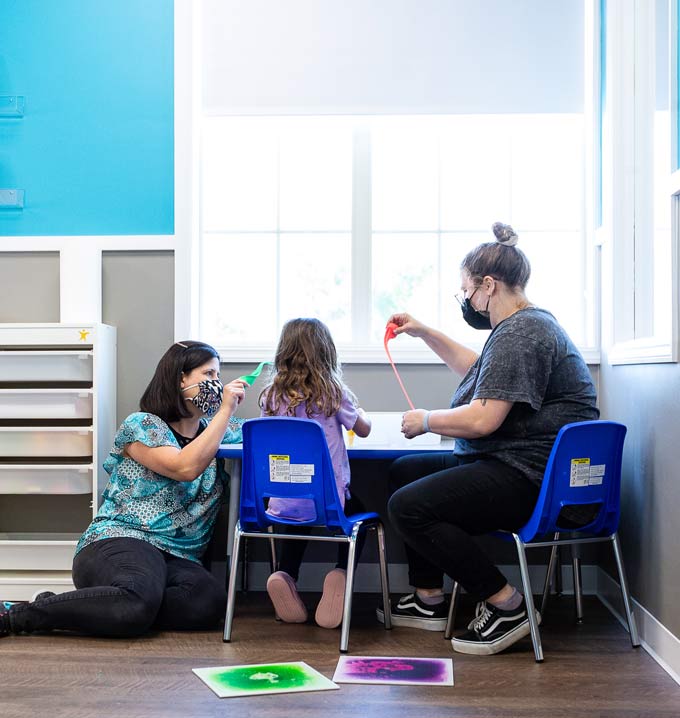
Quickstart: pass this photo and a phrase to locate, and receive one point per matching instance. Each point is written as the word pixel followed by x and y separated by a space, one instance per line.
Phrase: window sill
pixel 650 350
pixel 346 354
pixel 361 354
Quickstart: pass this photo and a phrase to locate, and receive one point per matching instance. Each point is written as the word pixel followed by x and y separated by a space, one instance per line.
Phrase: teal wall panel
pixel 95 148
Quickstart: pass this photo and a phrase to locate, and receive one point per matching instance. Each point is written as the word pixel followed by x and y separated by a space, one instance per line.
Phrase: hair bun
pixel 505 234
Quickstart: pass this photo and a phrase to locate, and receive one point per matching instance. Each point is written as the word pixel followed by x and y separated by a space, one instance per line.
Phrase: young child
pixel 307 383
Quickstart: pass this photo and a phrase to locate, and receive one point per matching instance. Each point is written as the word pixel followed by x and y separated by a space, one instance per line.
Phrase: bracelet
pixel 426 422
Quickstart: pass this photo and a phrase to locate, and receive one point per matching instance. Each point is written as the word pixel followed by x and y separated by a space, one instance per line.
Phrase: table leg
pixel 234 470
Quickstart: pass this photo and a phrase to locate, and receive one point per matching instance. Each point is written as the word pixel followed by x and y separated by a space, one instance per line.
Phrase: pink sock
pixel 431 600
pixel 510 604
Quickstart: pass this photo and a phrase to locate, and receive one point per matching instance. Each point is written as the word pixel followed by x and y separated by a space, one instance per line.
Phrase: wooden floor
pixel 589 671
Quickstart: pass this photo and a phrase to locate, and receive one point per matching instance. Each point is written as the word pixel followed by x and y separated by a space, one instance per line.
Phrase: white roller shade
pixel 392 56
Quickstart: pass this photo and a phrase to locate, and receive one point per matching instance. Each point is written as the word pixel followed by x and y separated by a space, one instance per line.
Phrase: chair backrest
pixel 584 467
pixel 287 457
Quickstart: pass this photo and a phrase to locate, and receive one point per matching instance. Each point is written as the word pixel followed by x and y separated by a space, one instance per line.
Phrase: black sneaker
pixel 411 612
pixel 493 630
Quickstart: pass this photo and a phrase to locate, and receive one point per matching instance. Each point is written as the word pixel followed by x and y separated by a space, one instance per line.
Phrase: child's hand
pixel 362 426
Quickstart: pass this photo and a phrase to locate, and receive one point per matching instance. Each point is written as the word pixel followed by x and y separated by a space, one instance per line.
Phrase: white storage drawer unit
pixel 57 422
pixel 45 441
pixel 46 366
pixel 45 479
pixel 46 404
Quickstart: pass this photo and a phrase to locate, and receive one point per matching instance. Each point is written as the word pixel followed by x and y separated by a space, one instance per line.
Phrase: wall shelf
pixel 11 199
pixel 12 106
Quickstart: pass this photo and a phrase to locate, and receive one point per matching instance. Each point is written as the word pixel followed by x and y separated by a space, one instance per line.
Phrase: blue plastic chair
pixel 584 467
pixel 272 446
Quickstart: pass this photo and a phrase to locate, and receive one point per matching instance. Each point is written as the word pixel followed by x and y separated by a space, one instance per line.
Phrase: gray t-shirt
pixel 529 360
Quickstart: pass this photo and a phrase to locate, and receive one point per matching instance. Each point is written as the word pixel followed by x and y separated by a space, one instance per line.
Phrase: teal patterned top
pixel 174 516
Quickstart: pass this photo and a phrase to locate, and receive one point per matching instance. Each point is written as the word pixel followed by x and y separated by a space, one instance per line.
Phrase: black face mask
pixel 475 318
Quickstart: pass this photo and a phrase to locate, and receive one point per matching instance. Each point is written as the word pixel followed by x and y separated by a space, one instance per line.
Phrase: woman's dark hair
pixel 500 259
pixel 163 396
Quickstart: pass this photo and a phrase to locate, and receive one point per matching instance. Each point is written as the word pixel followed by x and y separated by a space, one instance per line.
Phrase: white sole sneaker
pixel 424 624
pixel 489 648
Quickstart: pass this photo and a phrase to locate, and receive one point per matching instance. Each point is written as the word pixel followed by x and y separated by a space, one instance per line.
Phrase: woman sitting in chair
pixel 514 397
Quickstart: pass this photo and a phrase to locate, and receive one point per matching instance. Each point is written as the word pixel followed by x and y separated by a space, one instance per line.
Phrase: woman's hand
pixel 234 394
pixel 406 324
pixel 457 357
pixel 412 423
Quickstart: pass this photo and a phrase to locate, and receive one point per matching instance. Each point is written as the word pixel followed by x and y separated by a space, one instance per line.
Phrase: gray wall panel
pixel 29 287
pixel 138 298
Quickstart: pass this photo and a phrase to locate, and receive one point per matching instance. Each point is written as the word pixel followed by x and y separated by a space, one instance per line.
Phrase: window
pixel 642 206
pixel 352 218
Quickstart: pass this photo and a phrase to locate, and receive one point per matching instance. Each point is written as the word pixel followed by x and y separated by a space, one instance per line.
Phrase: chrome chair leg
pixel 231 591
pixel 578 589
pixel 529 599
pixel 625 593
pixel 558 572
pixel 384 581
pixel 349 588
pixel 272 551
pixel 549 575
pixel 244 566
pixel 451 619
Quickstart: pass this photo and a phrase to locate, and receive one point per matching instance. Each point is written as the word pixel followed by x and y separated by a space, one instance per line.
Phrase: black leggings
pixel 124 588
pixel 292 552
pixel 439 502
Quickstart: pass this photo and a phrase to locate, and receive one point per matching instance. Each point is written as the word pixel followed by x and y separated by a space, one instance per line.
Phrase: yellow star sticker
pixel 83 334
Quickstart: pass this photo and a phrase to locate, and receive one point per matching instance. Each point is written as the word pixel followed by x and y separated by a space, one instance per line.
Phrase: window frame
pixel 188 117
pixel 630 272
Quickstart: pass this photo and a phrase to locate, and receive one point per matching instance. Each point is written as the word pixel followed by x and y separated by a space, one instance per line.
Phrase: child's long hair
pixel 306 369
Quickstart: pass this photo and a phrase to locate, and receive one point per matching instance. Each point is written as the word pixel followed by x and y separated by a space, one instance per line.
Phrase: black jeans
pixel 439 502
pixel 292 552
pixel 124 588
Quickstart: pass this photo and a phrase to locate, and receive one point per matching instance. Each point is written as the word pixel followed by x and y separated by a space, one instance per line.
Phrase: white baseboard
pixel 662 645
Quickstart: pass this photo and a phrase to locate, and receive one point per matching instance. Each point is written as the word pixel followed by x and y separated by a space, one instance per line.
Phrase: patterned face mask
pixel 209 397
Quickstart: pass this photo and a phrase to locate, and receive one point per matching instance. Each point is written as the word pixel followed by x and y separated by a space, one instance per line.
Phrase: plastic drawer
pixel 37 552
pixel 44 479
pixel 45 404
pixel 46 366
pixel 46 441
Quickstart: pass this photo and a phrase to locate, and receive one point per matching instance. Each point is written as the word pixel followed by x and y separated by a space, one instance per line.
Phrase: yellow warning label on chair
pixel 580 472
pixel 279 468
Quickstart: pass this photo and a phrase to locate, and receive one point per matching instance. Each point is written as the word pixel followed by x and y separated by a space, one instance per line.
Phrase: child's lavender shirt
pixel 303 509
